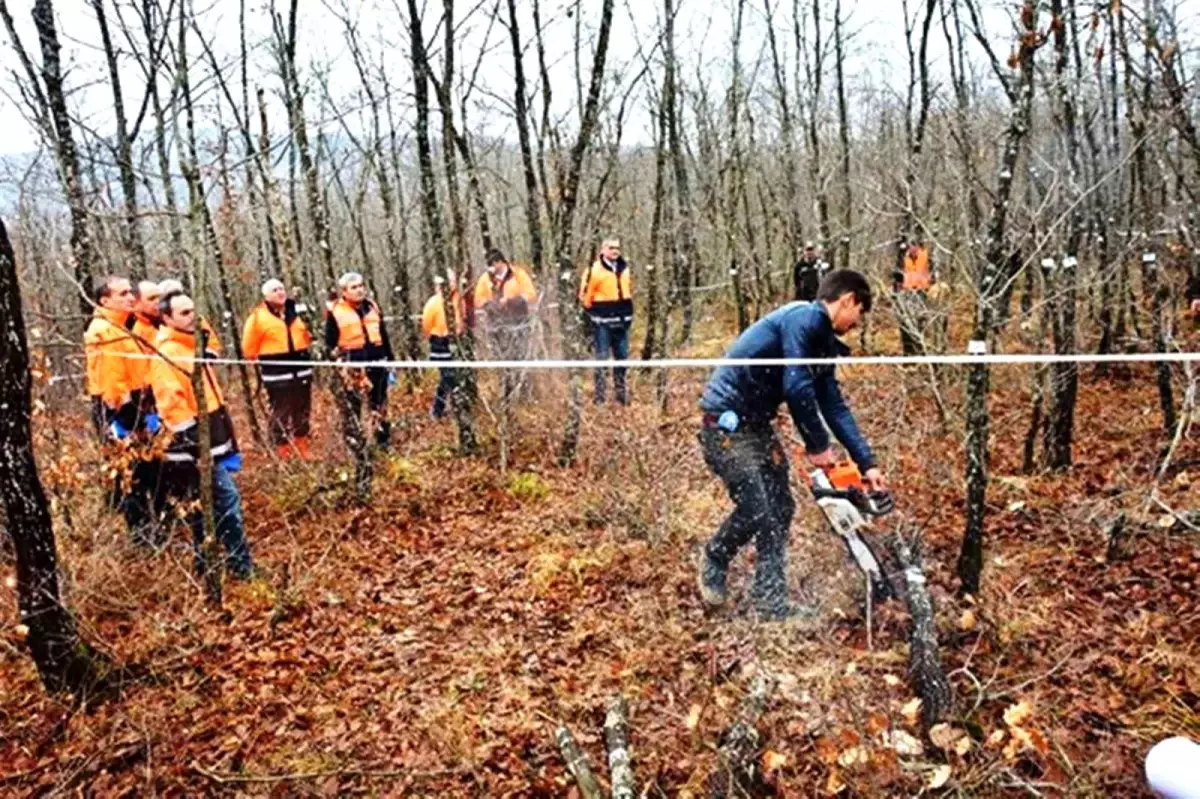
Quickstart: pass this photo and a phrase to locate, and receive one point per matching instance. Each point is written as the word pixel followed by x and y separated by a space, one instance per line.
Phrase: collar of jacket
pixel 287 313
pixel 168 333
pixel 146 320
pixel 616 267
pixel 113 316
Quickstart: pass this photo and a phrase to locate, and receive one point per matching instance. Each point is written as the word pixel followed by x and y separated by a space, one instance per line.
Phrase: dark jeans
pixel 445 387
pixel 141 498
pixel 184 481
pixel 351 401
pixel 510 342
pixel 754 468
pixel 291 408
pixel 614 340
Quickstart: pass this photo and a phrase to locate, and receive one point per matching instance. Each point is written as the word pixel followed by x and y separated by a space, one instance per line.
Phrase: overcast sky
pixel 704 30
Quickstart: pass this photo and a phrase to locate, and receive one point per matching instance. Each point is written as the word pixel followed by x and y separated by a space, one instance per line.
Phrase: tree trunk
pixel 786 132
pixel 312 178
pixel 970 559
pixel 684 212
pixel 564 225
pixel 63 660
pixel 925 671
pixel 136 263
pixel 843 259
pixel 532 217
pixel 82 251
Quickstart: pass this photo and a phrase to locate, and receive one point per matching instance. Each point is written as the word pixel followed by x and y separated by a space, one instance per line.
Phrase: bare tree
pixel 1020 94
pixel 47 96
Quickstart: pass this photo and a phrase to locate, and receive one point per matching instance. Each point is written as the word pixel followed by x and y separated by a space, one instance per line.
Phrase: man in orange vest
pixel 275 332
pixel 506 295
pixel 606 294
pixel 437 330
pixel 122 407
pixel 355 332
pixel 171 379
pixel 911 282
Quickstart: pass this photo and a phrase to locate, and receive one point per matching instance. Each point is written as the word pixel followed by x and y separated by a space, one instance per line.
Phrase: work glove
pixel 231 463
pixel 117 430
pixel 153 423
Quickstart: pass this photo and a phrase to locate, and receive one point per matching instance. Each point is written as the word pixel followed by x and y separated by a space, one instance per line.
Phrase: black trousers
pixel 752 465
pixel 140 494
pixel 291 408
pixel 351 400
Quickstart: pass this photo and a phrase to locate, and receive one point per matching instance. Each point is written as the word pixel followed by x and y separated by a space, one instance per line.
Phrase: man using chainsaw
pixel 742 448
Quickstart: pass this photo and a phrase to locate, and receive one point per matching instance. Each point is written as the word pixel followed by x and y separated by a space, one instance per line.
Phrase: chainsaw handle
pixel 872 503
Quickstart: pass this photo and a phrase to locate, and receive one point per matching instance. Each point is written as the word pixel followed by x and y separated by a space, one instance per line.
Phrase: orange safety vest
pixel 171 380
pixel 145 332
pixel 267 333
pixel 356 332
pixel 917 276
pixel 111 375
pixel 517 283
pixel 433 316
pixel 607 293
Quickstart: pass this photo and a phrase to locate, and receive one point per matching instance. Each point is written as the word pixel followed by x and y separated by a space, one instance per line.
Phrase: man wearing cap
pixel 807 274
pixel 275 333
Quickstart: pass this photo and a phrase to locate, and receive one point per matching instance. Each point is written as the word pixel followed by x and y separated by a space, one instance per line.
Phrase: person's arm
pixel 799 389
pixel 383 334
pixel 252 336
pixel 332 333
pixel 167 381
pixel 838 416
pixel 528 292
pixel 585 288
pixel 429 316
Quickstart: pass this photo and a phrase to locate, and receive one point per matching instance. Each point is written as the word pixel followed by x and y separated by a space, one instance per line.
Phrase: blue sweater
pixel 797 330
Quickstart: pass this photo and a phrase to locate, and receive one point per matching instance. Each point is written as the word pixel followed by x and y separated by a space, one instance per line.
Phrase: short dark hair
pixel 845 281
pixel 104 289
pixel 164 302
pixel 494 256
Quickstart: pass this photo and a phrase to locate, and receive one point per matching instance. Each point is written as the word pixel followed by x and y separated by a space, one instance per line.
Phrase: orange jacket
pixel 356 332
pixel 171 379
pixel 268 333
pixel 917 275
pixel 145 332
pixel 607 292
pixel 517 284
pixel 433 316
pixel 111 376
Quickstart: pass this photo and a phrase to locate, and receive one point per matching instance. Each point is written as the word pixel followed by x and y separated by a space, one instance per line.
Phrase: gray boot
pixel 713 578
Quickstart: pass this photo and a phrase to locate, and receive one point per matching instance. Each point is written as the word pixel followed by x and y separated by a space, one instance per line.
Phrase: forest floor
pixel 429 643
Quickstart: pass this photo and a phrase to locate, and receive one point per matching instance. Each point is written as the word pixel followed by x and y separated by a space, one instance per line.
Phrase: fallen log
pixel 577 764
pixel 616 737
pixel 739 746
pixel 924 665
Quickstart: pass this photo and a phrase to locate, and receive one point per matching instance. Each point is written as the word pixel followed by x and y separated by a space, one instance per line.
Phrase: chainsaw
pixel 849 507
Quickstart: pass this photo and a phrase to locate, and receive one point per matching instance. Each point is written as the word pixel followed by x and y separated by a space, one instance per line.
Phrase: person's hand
pixel 1196 307
pixel 822 460
pixel 875 480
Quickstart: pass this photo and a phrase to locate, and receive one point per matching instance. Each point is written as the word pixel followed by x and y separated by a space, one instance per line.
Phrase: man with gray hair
pixel 606 295
pixel 355 332
pixel 275 332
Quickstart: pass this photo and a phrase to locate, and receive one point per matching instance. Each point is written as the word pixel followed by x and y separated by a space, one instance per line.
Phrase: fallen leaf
pixel 943 736
pixel 853 755
pixel 1018 714
pixel 903 743
pixel 835 784
pixel 996 738
pixel 773 761
pixel 891 680
pixel 967 622
pixel 962 746
pixel 1166 521
pixel 911 710
pixel 693 717
pixel 940 776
